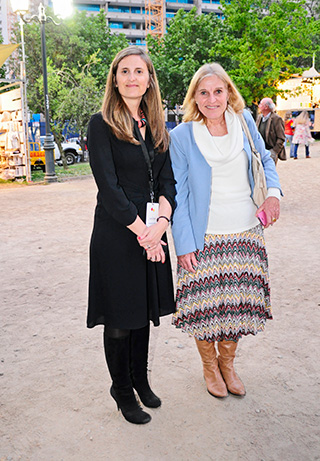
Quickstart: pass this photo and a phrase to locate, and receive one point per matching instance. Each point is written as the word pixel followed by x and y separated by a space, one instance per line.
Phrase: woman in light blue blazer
pixel 223 282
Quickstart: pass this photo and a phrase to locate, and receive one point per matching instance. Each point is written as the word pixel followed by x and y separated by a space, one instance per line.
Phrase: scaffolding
pixel 154 17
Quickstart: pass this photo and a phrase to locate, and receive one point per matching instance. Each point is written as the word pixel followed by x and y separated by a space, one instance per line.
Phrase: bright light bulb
pixel 63 8
pixel 20 6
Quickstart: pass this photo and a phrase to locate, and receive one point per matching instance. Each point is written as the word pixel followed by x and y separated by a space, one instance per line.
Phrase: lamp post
pixel 19 7
pixel 48 145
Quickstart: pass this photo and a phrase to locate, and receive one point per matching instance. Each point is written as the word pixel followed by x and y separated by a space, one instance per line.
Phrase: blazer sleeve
pixel 111 194
pixel 167 182
pixel 269 167
pixel 280 136
pixel 182 229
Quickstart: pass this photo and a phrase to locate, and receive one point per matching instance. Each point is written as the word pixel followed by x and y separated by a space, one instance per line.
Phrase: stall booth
pixel 302 94
pixel 14 149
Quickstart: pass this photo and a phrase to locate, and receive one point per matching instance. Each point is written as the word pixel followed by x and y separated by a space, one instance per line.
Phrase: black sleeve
pixel 167 181
pixel 112 196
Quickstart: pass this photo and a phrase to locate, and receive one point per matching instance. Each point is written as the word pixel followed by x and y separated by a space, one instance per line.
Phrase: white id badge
pixel 152 213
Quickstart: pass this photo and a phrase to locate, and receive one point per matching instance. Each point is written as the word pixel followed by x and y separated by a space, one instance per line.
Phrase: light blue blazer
pixel 193 176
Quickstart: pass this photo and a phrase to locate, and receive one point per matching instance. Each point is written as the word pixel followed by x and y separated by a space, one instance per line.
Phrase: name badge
pixel 152 213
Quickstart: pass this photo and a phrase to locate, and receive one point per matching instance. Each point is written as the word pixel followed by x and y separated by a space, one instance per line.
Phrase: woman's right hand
pixel 188 262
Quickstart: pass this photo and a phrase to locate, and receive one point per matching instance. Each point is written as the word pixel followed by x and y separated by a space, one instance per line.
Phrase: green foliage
pixel 261 41
pixel 3 68
pixel 73 171
pixel 79 53
pixel 98 39
pixel 183 49
pixel 75 97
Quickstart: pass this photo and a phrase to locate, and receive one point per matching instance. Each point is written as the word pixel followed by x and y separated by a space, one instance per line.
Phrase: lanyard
pixel 148 156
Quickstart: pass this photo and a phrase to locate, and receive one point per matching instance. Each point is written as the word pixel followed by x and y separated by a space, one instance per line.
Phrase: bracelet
pixel 164 217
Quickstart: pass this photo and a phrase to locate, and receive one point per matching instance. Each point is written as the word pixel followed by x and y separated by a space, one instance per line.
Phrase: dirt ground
pixel 54 385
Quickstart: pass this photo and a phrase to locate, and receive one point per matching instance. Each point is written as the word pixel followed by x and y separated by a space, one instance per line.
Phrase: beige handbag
pixel 260 185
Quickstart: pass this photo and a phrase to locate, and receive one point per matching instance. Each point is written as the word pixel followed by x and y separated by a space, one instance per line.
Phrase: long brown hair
pixel 235 100
pixel 116 113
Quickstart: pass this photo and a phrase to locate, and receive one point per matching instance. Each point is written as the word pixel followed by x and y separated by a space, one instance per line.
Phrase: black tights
pixel 126 353
pixel 116 333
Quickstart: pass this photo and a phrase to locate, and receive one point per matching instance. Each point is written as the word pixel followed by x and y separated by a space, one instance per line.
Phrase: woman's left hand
pixel 271 207
pixel 157 254
pixel 151 237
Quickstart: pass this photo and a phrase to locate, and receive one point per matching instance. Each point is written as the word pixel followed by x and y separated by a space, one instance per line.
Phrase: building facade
pixel 128 16
pixel 5 20
pixel 124 16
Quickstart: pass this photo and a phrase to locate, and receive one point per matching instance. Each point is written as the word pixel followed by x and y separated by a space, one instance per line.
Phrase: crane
pixel 154 17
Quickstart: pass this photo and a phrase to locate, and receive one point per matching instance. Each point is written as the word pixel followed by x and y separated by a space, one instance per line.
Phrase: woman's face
pixel 212 97
pixel 132 78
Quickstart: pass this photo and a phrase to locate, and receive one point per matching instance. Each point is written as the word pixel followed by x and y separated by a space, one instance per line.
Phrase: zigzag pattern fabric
pixel 229 295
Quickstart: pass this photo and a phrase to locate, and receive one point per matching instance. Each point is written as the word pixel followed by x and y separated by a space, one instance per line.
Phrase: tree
pixel 98 39
pixel 261 42
pixel 183 49
pixel 71 45
pixel 313 7
pixel 74 98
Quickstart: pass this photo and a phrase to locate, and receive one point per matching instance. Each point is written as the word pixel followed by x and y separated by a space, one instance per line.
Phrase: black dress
pixel 125 289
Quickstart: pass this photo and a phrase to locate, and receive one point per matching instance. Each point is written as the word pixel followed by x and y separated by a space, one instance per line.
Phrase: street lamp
pixel 21 7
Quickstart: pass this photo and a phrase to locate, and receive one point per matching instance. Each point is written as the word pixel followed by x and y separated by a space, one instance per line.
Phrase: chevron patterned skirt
pixel 229 295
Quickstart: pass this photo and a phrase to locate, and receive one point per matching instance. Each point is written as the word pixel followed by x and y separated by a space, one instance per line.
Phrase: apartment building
pixel 4 23
pixel 124 16
pixel 128 16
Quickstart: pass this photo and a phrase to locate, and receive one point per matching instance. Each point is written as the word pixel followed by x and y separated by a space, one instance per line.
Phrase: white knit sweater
pixel 231 209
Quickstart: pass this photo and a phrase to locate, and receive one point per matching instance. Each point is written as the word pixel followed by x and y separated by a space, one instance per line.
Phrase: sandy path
pixel 54 401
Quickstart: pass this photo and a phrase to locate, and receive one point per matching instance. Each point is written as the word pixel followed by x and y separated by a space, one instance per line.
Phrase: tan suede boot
pixel 227 353
pixel 215 384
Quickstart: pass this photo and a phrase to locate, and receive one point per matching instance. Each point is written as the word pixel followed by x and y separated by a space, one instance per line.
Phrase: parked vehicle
pixel 37 154
pixel 72 151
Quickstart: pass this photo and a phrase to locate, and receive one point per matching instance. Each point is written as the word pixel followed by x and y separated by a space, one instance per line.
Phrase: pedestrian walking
pixel 130 272
pixel 271 128
pixel 302 134
pixel 223 290
pixel 289 131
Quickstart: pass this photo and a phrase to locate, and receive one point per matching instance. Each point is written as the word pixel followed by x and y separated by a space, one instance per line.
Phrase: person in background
pixel 271 128
pixel 302 134
pixel 289 130
pixel 130 280
pixel 223 290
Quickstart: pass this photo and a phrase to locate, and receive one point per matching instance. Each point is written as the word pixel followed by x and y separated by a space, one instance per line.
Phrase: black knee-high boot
pixel 117 351
pixel 139 347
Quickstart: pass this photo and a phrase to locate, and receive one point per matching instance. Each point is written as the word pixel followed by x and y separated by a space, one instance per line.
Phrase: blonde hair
pixel 235 99
pixel 302 118
pixel 116 113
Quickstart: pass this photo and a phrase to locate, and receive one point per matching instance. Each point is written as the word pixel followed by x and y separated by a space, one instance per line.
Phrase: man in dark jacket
pixel 271 128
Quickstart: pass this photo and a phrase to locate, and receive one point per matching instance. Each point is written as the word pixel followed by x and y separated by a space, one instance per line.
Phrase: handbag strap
pixel 248 135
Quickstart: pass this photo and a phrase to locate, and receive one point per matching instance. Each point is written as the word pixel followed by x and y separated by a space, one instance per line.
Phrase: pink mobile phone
pixel 262 218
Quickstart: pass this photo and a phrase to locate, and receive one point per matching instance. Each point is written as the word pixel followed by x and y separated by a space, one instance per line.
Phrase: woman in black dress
pixel 130 271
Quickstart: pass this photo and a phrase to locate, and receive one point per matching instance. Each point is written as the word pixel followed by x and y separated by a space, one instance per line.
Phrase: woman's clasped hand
pixel 151 241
